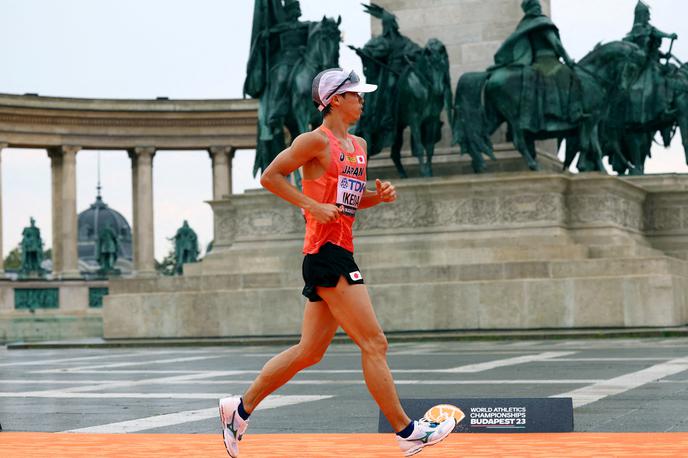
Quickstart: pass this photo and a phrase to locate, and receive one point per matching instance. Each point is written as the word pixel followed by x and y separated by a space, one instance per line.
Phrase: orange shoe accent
pixel 560 445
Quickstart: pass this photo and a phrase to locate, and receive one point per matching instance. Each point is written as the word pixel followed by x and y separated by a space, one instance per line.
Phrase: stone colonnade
pixel 66 126
pixel 64 212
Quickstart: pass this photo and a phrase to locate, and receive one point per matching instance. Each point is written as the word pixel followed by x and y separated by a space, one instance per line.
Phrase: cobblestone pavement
pixel 617 385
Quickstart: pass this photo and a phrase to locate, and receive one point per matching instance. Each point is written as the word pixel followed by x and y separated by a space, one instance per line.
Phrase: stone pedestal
pixel 496 251
pixel 448 162
pixel 51 310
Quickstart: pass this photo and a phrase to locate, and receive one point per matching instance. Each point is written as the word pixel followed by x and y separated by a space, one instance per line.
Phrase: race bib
pixel 349 194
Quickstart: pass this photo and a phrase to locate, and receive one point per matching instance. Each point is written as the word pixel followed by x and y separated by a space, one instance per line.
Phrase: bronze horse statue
pixel 423 91
pixel 322 53
pixel 628 144
pixel 483 103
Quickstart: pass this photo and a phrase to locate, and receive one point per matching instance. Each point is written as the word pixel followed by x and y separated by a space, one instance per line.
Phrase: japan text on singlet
pixel 342 184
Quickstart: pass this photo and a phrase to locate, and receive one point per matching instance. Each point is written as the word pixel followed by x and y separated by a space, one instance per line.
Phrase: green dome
pixel 91 221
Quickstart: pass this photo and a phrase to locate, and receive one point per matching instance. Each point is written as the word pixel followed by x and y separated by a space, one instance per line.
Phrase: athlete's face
pixel 350 105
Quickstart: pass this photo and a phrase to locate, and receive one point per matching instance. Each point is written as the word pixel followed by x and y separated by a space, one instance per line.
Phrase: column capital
pixel 143 152
pixel 63 150
pixel 70 149
pixel 215 151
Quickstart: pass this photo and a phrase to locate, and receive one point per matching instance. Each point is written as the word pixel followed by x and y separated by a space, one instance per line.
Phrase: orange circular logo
pixel 441 412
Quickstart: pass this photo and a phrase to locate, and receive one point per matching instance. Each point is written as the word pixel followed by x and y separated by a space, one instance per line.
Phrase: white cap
pixel 335 81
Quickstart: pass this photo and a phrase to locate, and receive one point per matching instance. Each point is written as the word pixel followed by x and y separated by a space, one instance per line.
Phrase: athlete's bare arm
pixel 309 150
pixel 384 190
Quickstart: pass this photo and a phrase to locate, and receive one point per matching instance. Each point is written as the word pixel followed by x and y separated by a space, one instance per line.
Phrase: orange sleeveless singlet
pixel 342 184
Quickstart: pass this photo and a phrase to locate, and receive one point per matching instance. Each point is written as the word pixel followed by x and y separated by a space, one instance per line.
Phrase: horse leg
pixel 523 146
pixel 683 125
pixel 396 152
pixel 635 153
pixel 597 148
pixel 572 149
pixel 430 134
pixel 417 148
pixel 530 143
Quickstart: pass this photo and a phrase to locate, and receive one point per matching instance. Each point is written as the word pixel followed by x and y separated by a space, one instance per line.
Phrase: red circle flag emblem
pixel 441 412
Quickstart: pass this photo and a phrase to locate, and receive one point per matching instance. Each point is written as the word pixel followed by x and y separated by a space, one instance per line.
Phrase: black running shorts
pixel 326 266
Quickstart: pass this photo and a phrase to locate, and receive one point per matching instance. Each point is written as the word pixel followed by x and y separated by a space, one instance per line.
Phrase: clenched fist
pixel 385 191
pixel 325 213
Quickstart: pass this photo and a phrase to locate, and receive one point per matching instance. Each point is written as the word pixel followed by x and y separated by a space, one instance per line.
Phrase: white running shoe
pixel 425 433
pixel 233 426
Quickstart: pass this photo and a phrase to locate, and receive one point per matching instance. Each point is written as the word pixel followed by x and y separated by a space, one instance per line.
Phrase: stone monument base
pixel 497 251
pixel 51 309
pixel 449 162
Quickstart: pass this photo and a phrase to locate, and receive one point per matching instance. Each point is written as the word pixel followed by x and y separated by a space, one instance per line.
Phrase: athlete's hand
pixel 385 190
pixel 325 213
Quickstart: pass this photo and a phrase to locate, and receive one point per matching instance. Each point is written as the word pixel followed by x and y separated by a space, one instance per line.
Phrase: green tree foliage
pixel 13 260
pixel 167 265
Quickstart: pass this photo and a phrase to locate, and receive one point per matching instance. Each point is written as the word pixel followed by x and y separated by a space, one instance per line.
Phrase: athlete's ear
pixel 335 98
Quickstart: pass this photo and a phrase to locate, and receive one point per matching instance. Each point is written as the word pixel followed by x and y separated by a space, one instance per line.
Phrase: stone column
pixel 221 157
pixel 55 155
pixel 70 255
pixel 63 171
pixel 142 194
pixel 2 255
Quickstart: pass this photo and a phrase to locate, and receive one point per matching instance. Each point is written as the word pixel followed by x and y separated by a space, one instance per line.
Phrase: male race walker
pixel 334 179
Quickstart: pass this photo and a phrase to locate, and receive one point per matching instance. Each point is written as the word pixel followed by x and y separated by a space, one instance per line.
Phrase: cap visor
pixel 362 87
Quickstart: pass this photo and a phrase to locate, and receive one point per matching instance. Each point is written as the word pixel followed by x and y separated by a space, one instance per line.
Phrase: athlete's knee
pixel 375 345
pixel 309 355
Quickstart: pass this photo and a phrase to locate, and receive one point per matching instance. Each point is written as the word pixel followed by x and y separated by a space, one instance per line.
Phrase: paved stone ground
pixel 629 385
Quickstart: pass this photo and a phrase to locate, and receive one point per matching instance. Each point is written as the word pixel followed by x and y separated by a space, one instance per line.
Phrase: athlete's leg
pixel 351 307
pixel 317 331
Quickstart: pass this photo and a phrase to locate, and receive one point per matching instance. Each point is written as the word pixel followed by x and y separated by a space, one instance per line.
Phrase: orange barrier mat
pixel 26 445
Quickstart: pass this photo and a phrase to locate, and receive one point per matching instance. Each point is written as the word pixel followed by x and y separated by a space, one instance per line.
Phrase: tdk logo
pixel 352 185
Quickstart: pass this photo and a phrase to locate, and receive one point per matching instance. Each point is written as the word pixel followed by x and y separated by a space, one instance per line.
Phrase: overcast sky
pixel 195 50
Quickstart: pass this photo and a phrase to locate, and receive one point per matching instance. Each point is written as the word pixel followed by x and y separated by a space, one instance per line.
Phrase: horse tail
pixel 470 118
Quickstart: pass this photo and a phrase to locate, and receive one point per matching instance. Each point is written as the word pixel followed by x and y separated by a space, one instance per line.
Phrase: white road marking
pixel 104 385
pixel 610 359
pixel 469 368
pixel 129 363
pixel 158 421
pixel 357 353
pixel 617 385
pixel 69 360
pixel 291 382
pixel 479 367
pixel 520 344
pixel 57 394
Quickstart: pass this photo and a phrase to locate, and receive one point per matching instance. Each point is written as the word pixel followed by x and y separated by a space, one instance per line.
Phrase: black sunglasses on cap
pixel 353 77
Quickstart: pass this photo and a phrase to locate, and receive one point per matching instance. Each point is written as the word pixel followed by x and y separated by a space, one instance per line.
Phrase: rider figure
pixel 649 94
pixel 286 42
pixel 389 55
pixel 275 50
pixel 536 46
